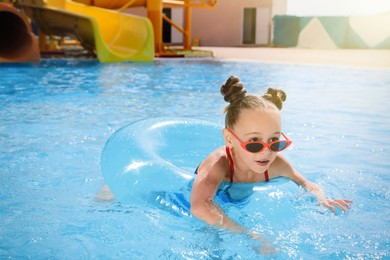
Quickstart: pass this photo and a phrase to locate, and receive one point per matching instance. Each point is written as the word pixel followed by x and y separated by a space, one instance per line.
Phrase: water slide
pixel 18 42
pixel 100 26
pixel 115 36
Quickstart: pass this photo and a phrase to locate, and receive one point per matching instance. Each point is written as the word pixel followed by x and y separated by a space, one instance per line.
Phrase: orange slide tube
pixel 18 42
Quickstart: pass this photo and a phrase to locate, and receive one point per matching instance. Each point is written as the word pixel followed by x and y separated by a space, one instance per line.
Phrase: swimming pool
pixel 57 115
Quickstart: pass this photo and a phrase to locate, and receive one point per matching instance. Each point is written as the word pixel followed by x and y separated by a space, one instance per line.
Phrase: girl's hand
pixel 266 248
pixel 342 204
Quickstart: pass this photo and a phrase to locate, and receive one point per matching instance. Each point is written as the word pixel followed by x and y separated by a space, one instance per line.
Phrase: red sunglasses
pixel 256 147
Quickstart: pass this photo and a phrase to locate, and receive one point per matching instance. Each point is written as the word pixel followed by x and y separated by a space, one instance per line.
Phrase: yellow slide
pixel 114 35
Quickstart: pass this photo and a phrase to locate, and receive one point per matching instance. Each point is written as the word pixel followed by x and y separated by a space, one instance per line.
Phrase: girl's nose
pixel 266 150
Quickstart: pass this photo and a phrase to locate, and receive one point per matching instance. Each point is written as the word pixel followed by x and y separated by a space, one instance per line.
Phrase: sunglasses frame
pixel 244 144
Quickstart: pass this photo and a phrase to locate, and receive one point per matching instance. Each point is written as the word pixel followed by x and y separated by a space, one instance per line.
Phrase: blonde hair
pixel 234 92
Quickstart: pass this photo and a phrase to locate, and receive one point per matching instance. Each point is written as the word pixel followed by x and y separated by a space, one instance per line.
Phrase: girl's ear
pixel 228 138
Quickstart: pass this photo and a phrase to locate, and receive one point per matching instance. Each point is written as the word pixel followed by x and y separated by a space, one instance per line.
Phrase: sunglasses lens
pixel 278 146
pixel 254 148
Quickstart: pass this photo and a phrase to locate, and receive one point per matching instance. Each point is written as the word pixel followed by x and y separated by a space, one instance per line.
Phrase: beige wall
pixel 223 26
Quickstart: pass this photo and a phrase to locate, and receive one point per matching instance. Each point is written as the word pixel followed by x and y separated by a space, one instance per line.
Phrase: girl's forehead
pixel 259 120
pixel 263 114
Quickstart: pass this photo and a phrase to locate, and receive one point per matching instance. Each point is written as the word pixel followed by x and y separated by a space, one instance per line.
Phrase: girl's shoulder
pixel 281 167
pixel 215 165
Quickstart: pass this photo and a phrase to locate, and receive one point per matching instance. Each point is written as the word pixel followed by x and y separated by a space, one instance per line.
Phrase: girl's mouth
pixel 263 162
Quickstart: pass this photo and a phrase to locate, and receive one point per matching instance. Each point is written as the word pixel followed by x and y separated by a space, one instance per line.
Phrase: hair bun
pixel 233 89
pixel 276 96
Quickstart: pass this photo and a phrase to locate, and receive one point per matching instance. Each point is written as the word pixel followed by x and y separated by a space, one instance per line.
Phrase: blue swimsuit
pixel 234 192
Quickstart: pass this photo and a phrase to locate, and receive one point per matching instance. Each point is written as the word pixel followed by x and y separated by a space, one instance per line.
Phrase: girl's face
pixel 255 125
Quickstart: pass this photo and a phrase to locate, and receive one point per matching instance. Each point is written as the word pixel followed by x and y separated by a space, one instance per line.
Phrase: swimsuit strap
pixel 231 165
pixel 266 175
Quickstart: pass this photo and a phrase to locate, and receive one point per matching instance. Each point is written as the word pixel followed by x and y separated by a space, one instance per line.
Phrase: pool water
pixel 57 115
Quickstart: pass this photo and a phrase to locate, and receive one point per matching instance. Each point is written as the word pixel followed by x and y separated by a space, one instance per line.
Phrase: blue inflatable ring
pixel 157 154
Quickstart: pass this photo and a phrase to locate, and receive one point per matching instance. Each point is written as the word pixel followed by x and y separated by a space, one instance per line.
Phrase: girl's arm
pixel 286 170
pixel 204 189
pixel 203 207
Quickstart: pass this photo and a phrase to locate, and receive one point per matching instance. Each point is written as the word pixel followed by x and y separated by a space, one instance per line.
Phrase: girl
pixel 253 138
